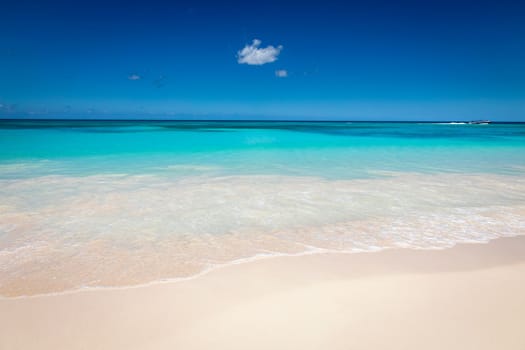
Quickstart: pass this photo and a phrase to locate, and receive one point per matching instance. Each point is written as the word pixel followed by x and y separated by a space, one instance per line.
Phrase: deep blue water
pixel 326 149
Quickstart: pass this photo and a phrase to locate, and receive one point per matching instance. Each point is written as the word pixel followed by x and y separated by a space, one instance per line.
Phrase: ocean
pixel 92 204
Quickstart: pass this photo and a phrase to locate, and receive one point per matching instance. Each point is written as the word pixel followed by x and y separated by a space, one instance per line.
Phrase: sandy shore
pixel 468 297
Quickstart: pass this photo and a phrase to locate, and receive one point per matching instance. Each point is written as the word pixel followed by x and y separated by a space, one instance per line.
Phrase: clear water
pixel 330 150
pixel 107 203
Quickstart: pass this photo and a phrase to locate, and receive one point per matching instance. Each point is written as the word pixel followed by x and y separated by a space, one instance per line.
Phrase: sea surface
pixel 87 204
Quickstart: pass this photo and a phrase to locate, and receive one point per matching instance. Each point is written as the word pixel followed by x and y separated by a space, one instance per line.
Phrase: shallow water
pixel 90 204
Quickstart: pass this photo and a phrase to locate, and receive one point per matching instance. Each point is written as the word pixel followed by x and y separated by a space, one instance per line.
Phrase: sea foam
pixel 62 233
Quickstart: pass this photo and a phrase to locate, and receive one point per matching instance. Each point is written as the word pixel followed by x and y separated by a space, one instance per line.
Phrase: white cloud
pixel 281 73
pixel 253 55
pixel 134 77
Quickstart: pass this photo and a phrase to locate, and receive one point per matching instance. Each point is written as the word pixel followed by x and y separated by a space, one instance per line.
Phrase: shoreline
pixel 250 260
pixel 52 246
pixel 284 302
pixel 69 233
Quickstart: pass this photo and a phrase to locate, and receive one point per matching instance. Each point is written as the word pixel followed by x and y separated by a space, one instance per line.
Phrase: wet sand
pixel 471 296
pixel 62 233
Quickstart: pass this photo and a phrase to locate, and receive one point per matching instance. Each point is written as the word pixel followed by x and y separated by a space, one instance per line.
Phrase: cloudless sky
pixel 353 60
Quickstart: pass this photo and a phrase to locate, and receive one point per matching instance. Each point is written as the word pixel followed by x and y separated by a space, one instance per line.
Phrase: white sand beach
pixel 471 296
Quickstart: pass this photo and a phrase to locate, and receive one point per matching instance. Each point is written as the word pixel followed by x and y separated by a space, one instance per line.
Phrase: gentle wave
pixel 60 233
pixel 450 123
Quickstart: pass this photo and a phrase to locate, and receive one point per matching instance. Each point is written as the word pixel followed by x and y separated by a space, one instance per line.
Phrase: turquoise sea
pixel 111 203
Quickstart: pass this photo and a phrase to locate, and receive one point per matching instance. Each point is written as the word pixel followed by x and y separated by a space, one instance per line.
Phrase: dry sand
pixel 468 297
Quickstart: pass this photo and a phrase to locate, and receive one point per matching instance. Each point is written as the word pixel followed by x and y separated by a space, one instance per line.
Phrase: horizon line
pixel 259 120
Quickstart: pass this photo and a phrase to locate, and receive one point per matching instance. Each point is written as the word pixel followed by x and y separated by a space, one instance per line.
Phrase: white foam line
pixel 257 257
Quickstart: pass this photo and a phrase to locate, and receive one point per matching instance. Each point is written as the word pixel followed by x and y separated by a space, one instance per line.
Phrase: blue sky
pixel 363 60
